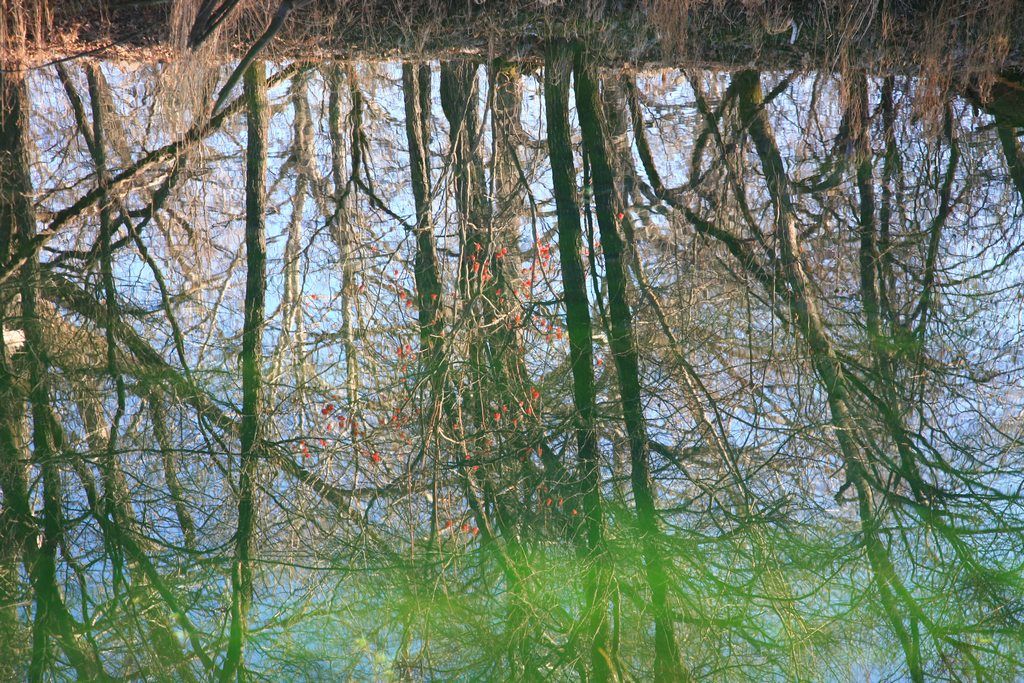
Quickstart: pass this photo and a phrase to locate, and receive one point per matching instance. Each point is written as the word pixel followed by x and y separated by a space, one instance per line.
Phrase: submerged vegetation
pixel 521 353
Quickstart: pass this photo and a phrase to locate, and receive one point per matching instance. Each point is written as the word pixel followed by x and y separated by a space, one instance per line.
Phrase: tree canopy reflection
pixel 501 370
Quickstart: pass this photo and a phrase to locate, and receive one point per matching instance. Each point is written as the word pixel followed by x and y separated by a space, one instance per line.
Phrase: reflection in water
pixel 492 371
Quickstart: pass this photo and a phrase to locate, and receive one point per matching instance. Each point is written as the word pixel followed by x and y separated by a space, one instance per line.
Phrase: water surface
pixel 560 371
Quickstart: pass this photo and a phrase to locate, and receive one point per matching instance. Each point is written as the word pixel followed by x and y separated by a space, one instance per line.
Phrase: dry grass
pixel 952 45
pixel 982 35
pixel 948 42
pixel 24 24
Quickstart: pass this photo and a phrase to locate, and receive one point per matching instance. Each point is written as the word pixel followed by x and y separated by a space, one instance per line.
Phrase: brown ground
pixel 964 37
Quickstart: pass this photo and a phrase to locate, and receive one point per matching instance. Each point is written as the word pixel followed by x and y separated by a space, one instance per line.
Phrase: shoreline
pixel 632 38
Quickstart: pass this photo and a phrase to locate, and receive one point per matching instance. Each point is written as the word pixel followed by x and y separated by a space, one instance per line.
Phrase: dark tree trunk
pixel 252 448
pixel 17 529
pixel 558 62
pixel 51 615
pixel 667 666
pixel 805 313
pixel 416 85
